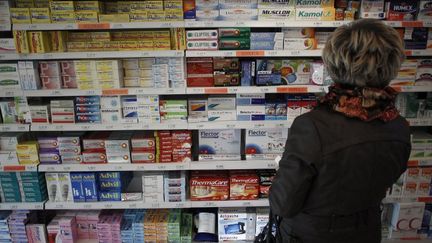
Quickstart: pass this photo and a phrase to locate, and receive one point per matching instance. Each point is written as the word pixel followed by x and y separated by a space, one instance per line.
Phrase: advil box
pixel 402 10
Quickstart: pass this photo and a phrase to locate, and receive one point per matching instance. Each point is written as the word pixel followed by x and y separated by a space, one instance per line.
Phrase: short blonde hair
pixel 365 53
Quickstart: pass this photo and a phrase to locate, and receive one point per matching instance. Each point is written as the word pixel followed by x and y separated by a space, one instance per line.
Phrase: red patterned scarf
pixel 366 104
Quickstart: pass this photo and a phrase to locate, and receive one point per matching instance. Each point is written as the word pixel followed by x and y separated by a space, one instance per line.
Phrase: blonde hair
pixel 365 53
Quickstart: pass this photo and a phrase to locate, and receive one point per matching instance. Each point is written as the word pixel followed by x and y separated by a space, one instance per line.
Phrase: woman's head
pixel 365 53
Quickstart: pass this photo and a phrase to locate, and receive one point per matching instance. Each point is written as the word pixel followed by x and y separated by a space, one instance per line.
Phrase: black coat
pixel 334 174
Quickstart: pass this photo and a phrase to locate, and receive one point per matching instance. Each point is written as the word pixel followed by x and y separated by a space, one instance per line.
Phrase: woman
pixel 340 158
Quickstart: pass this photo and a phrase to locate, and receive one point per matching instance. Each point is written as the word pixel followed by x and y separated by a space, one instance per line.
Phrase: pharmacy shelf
pixel 114 205
pixel 121 91
pixel 233 165
pixel 22 206
pixel 91 55
pixel 230 203
pixel 100 26
pixel 416 122
pixel 18 168
pixel 240 124
pixel 426 199
pixel 418 53
pixel 4 92
pixel 14 127
pixel 255 53
pixel 108 127
pixel 258 89
pixel 114 167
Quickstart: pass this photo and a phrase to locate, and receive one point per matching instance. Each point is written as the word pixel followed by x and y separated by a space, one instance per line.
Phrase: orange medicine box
pixel 39 42
pixel 244 186
pixel 21 41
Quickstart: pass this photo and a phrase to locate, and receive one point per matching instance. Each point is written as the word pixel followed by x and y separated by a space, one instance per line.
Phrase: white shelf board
pixel 233 165
pixel 60 92
pixel 420 121
pixel 91 55
pixel 108 127
pixel 417 53
pixel 17 168
pixel 14 127
pixel 240 124
pixel 114 205
pixel 22 206
pixel 114 167
pixel 409 88
pixel 100 26
pixel 120 91
pixel 5 92
pixel 258 24
pixel 230 203
pixel 258 89
pixel 255 53
pixel 5 27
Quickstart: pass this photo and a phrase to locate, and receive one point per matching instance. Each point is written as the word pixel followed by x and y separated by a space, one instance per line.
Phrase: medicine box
pixel 236 224
pixel 267 14
pixel 219 141
pixel 265 141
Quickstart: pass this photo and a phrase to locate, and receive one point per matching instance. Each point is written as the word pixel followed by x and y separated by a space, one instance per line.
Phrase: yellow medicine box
pixel 123 6
pixel 156 15
pixel 21 41
pixel 63 17
pixel 178 39
pixel 39 42
pixel 128 45
pixel 20 15
pixel 145 45
pixel 174 14
pixel 95 46
pixel 154 5
pixel 62 6
pixel 100 36
pixel 58 41
pixel 113 18
pixel 27 147
pixel 161 34
pixel 86 17
pixel 25 5
pixel 111 45
pixel 76 46
pixel 138 16
pixel 79 36
pixel 40 15
pixel 160 45
pixel 173 4
pixel 88 6
pixel 84 66
pixel 42 4
pixel 111 7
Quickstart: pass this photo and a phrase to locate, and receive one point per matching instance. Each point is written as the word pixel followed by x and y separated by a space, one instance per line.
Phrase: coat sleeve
pixel 297 169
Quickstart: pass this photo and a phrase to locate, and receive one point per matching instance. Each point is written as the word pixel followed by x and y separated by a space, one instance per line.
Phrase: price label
pixel 67 168
pixel 87 206
pixel 2 57
pixel 155 205
pixel 85 127
pixel 240 23
pixel 9 93
pixel 58 127
pixel 271 53
pixel 117 26
pixel 171 126
pixel 179 205
pixel 170 91
pixel 13 207
pixel 208 24
pixel 48 56
pixel 91 168
pixel 109 127
pixel 220 167
pixel 58 206
pixel 69 26
pixel 132 205
pixel 165 25
pixel 180 167
pixel 145 126
pixel 6 128
pixel 199 126
pixel 271 165
pixel 128 127
pixel 118 167
pixel 210 204
pixel 264 90
pixel 108 205
pixel 259 125
pixel 56 92
pixel 317 24
pixel 295 53
pixel 90 92
pixel 145 54
pixel 42 127
pixel 425 162
pixel 230 125
pixel 50 168
pixel 141 167
pixel 337 23
pixel 246 204
pixel 38 206
pixel 280 24
pixel 233 90
pixel 91 55
pixel 161 167
pixel 392 23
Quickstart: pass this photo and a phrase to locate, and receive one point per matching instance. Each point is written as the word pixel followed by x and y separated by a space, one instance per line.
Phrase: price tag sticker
pixel 220 167
pixel 108 205
pixel 85 127
pixel 58 206
pixel 317 23
pixel 117 26
pixel 48 56
pixel 9 93
pixel 230 125
pixel 91 55
pixel 87 206
pixel 240 23
pixel 210 204
pixel 246 204
pixel 90 168
pixel 58 127
pixel 56 92
pixel 42 127
pixel 13 207
pixel 38 206
pixel 259 125
pixel 132 205
pixel 155 205
pixel 90 92
pixel 5 128
pixel 50 168
pixel 180 167
pixel 161 167
pixel 294 52
pixel 67 168
pixel 271 165
pixel 69 26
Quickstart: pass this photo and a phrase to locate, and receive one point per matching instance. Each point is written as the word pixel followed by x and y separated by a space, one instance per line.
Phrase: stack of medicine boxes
pixel 87 109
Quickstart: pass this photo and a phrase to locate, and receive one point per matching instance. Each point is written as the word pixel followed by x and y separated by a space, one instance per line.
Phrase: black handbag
pixel 270 233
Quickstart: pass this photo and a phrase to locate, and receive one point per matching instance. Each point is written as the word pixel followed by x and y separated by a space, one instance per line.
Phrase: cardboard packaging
pixel 267 14
pixel 236 224
pixel 401 10
pixel 205 187
pixel 323 14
